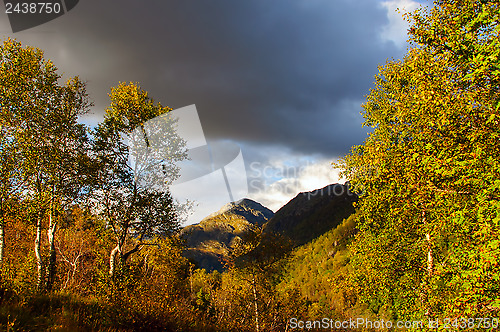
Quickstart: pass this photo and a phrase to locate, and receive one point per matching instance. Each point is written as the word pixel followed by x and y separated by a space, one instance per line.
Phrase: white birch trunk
pixel 51 266
pixel 2 240
pixel 38 254
pixel 112 260
pixel 256 305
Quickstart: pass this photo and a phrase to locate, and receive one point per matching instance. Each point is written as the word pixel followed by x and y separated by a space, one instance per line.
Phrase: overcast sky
pixel 282 79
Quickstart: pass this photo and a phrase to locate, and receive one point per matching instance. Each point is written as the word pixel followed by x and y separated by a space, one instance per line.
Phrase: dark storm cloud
pixel 280 72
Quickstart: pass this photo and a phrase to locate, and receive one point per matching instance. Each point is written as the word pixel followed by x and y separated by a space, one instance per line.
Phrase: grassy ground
pixel 66 312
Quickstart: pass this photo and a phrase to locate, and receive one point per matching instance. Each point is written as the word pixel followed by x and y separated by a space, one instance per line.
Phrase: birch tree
pixel 49 146
pixel 137 147
pixel 11 177
pixel 428 245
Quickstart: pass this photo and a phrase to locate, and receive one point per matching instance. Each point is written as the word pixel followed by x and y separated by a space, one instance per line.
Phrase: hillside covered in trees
pixel 85 245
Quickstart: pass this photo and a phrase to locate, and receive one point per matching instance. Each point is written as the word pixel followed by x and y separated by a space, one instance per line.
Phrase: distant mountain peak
pixel 210 240
pixel 253 211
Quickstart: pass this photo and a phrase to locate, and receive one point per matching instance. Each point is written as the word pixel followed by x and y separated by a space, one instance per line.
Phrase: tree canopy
pixel 429 171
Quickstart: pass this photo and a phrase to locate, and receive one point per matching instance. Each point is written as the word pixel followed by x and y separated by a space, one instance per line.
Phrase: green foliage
pixel 136 164
pixel 428 173
pixel 48 175
pixel 43 147
pixel 319 270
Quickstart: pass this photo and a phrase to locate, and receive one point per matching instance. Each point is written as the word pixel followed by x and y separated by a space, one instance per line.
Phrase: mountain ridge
pixel 308 215
pixel 311 214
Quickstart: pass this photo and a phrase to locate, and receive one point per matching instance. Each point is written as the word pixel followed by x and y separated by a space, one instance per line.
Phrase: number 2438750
pixel 33 8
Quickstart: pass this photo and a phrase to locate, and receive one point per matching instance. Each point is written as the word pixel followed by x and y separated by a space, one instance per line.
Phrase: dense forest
pixel 89 239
